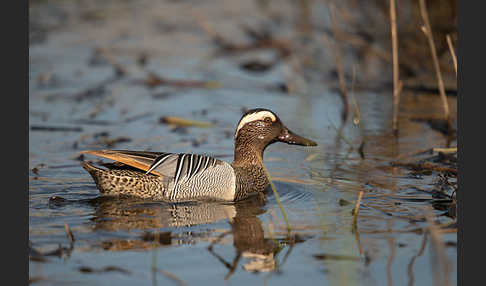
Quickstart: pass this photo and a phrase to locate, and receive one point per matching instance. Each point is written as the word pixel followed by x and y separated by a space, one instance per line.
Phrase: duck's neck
pixel 247 154
pixel 249 170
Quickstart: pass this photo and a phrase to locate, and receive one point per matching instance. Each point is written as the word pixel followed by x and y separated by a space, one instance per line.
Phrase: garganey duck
pixel 187 177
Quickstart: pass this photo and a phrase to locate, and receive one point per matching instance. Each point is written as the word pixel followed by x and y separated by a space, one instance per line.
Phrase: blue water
pixel 311 181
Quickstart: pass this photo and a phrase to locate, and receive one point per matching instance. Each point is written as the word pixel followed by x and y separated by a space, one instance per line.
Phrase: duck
pixel 183 177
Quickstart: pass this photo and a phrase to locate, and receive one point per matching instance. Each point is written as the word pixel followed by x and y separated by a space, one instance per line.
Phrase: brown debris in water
pixel 153 80
pixel 164 238
pixel 182 122
pixel 70 235
pixel 56 128
pixel 34 279
pixel 444 162
pixel 87 269
pixel 38 256
pixel 260 39
pixel 146 241
pixel 257 66
pixel 142 59
pixel 102 139
pixel 37 167
pixel 336 257
pixel 112 142
pixel 103 56
pixel 437 124
pixel 426 166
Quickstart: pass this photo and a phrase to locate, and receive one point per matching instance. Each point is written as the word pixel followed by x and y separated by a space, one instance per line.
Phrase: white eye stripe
pixel 254 117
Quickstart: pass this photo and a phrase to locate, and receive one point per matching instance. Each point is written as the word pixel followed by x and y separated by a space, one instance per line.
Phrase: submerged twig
pixel 173 277
pixel 356 210
pixel 428 33
pixel 70 235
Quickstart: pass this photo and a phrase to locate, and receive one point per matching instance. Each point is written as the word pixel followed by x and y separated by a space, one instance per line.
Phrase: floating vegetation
pixel 182 122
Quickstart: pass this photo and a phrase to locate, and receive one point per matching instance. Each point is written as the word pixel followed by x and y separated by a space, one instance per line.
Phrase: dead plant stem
pixel 428 34
pixel 396 80
pixel 453 54
pixel 277 197
pixel 339 64
pixel 356 210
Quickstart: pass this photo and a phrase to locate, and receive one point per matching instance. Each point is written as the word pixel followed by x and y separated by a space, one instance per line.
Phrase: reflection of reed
pixel 410 265
pixel 391 243
pixel 428 33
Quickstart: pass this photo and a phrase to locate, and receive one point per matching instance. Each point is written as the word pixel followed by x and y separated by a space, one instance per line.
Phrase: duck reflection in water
pixel 249 241
pixel 249 238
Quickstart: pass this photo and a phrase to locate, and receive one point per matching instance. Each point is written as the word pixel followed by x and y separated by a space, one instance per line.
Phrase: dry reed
pixel 428 33
pixel 356 210
pixel 453 54
pixel 277 197
pixel 396 81
pixel 339 63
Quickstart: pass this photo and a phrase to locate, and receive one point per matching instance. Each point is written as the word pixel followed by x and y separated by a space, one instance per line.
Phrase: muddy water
pixel 127 242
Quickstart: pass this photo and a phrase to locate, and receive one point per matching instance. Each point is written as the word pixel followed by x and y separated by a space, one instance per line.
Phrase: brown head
pixel 259 128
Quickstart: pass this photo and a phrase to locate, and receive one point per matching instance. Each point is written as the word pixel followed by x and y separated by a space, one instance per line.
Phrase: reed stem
pixel 277 198
pixel 453 54
pixel 396 81
pixel 428 33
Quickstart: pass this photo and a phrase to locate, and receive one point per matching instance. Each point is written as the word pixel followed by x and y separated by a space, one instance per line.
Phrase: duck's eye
pixel 268 119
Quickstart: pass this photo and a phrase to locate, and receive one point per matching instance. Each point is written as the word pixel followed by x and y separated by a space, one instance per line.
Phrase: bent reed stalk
pixel 277 197
pixel 428 33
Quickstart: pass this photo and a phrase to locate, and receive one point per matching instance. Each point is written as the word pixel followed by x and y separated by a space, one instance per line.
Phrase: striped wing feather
pixel 138 159
pixel 179 166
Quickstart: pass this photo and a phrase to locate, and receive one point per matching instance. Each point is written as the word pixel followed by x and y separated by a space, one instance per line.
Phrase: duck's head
pixel 261 127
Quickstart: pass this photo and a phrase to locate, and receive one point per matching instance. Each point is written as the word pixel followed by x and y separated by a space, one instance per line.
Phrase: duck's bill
pixel 290 137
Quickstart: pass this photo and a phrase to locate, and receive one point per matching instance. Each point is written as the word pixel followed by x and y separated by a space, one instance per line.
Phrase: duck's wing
pixel 179 166
pixel 182 166
pixel 138 159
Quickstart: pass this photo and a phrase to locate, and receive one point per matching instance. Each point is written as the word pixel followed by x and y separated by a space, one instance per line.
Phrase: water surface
pixel 126 242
